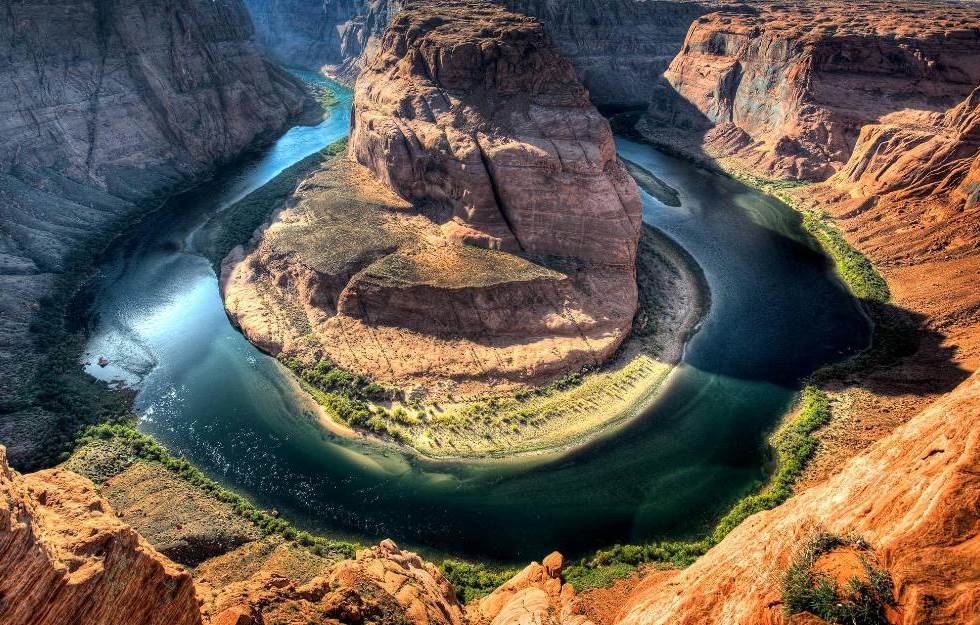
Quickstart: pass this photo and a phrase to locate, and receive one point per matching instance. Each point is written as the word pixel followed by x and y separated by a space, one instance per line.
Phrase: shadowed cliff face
pixel 106 104
pixel 619 48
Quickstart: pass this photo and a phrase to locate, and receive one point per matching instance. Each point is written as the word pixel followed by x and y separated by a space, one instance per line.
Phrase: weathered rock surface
pixel 352 272
pixel 535 596
pixel 335 36
pixel 914 496
pixel 786 88
pixel 105 104
pixel 470 115
pixel 66 558
pixel 470 109
pixel 381 585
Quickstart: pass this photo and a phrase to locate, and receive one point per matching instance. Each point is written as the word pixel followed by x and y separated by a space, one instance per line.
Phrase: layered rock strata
pixel 783 90
pixel 66 558
pixel 105 104
pixel 499 247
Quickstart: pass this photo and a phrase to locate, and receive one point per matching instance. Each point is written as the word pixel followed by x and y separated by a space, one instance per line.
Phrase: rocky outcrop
pixel 106 104
pixel 914 496
pixel 66 558
pixel 470 116
pixel 786 88
pixel 535 595
pixel 380 585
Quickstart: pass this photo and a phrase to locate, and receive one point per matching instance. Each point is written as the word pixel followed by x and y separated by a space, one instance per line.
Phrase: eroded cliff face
pixel 784 90
pixel 335 36
pixel 106 104
pixel 482 235
pixel 66 558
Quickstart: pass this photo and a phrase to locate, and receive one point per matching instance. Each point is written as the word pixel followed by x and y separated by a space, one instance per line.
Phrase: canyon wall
pixel 914 497
pixel 786 88
pixel 106 104
pixel 619 48
pixel 66 558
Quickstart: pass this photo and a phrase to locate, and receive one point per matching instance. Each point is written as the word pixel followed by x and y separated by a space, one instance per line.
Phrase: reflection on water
pixel 204 391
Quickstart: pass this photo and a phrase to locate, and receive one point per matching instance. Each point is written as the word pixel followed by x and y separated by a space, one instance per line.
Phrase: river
pixel 778 312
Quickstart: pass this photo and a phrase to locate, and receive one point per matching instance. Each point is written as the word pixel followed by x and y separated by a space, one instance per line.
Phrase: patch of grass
pixel 862 601
pixel 473 581
pixel 140 446
pixel 853 267
pixel 235 225
pixel 582 577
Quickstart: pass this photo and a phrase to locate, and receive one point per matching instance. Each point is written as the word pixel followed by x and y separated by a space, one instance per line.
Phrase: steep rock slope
pixel 619 48
pixel 914 496
pixel 785 88
pixel 104 104
pixel 473 119
pixel 66 558
pixel 470 109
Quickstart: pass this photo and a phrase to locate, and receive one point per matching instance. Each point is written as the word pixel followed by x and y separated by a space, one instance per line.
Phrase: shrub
pixel 859 602
pixel 472 581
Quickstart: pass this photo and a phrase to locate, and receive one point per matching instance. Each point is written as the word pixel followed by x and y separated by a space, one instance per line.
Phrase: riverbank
pixel 443 422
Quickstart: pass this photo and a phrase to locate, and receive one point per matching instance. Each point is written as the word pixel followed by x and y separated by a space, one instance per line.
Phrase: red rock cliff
pixel 786 88
pixel 66 558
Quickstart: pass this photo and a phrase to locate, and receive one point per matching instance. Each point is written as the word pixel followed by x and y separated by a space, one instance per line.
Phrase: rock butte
pixel 469 113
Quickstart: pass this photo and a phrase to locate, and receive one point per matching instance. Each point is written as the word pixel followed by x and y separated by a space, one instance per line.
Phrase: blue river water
pixel 778 312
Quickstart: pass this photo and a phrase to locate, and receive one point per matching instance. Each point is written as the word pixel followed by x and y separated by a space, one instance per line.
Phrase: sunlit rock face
pixel 66 558
pixel 785 89
pixel 470 109
pixel 105 104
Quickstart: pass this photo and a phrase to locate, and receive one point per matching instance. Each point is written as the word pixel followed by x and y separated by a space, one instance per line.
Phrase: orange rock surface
pixel 66 558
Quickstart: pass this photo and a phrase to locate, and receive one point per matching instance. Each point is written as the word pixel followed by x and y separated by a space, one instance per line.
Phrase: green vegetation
pixel 583 577
pixel 235 224
pixel 349 396
pixel 473 581
pixel 862 601
pixel 852 266
pixel 795 446
pixel 142 447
